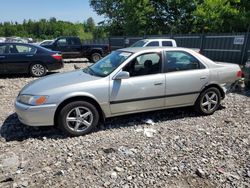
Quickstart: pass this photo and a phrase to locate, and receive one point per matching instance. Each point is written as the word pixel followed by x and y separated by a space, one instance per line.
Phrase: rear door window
pixel 75 41
pixel 167 43
pixel 21 49
pixel 181 61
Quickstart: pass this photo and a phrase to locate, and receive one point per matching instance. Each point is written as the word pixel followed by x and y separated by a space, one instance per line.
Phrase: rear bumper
pixel 230 87
pixel 55 66
pixel 36 115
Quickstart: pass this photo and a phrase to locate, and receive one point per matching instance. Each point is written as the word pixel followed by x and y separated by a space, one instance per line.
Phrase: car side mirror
pixel 122 75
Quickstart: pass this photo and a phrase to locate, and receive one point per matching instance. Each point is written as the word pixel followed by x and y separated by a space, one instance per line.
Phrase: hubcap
pixel 209 101
pixel 79 119
pixel 96 57
pixel 38 70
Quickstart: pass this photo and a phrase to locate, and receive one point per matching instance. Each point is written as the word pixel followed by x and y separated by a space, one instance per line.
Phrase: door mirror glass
pixel 122 75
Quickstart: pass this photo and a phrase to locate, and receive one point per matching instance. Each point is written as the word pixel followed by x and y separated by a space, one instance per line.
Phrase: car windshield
pixel 139 43
pixel 108 64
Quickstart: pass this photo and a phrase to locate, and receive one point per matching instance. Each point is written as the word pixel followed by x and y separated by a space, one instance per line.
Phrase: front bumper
pixel 36 115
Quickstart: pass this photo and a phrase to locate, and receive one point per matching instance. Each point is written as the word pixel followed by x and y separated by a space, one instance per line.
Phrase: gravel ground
pixel 170 148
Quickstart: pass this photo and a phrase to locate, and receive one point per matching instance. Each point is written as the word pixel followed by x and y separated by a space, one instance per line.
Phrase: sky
pixel 66 10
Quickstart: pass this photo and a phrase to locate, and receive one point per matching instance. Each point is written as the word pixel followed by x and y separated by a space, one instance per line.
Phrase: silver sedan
pixel 127 81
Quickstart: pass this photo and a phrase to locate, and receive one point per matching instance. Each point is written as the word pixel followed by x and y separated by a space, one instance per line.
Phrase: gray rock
pixel 200 173
pixel 118 169
pixel 60 173
pixel 113 175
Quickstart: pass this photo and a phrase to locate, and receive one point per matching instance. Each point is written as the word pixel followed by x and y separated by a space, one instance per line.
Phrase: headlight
pixel 32 100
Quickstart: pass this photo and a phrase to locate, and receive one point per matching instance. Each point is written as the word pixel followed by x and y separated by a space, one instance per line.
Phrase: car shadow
pixel 77 60
pixel 244 91
pixel 13 76
pixel 8 76
pixel 13 130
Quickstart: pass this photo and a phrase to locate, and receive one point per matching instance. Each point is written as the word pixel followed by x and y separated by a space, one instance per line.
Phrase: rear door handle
pixel 158 83
pixel 29 55
pixel 203 78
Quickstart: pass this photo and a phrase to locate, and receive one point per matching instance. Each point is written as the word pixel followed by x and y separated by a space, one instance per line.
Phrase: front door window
pixel 145 64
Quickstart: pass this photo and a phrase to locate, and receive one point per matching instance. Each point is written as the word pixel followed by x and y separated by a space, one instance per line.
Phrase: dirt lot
pixel 179 149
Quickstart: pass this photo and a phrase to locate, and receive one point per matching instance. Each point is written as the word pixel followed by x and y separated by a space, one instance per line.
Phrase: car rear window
pixel 167 43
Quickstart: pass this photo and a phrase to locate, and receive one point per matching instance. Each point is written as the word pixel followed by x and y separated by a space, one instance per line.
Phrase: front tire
pixel 78 118
pixel 38 70
pixel 208 101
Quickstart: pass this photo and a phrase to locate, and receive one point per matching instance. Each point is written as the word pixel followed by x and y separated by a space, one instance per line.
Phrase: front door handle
pixel 2 57
pixel 29 55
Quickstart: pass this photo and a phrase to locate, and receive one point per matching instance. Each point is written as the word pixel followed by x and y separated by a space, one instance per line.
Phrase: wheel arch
pixel 79 98
pixel 223 94
pixel 31 63
pixel 96 51
pixel 36 62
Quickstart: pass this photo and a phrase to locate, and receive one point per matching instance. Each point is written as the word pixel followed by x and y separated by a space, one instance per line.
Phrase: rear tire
pixel 247 84
pixel 95 57
pixel 208 101
pixel 38 70
pixel 78 118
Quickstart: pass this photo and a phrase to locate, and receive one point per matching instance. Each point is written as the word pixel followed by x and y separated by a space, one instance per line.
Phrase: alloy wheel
pixel 79 119
pixel 209 101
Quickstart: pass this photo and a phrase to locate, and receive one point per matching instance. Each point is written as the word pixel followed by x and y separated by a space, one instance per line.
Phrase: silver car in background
pixel 129 80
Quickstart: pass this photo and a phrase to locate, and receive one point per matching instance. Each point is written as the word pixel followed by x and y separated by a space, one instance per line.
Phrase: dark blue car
pixel 28 58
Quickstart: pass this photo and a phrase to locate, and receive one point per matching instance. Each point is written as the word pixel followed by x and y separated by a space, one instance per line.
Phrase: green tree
pixel 125 16
pixel 217 16
pixel 89 25
pixel 44 29
pixel 173 16
pixel 138 17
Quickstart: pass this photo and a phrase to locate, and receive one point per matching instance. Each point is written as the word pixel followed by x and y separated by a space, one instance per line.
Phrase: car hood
pixel 57 81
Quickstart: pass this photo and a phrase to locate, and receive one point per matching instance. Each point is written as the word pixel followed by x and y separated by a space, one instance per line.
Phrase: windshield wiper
pixel 92 72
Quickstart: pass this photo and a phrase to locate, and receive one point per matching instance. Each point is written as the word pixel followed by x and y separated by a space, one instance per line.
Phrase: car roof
pixel 16 43
pixel 27 44
pixel 157 39
pixel 149 49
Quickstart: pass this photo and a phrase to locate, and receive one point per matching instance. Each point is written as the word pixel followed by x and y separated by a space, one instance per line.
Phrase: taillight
pixel 239 74
pixel 57 56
